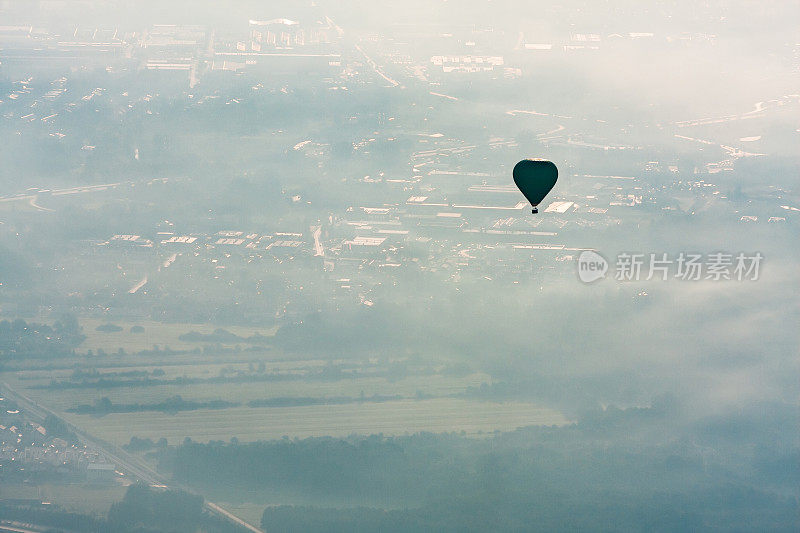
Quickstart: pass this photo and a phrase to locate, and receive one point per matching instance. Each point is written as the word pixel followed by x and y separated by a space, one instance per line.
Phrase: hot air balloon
pixel 535 178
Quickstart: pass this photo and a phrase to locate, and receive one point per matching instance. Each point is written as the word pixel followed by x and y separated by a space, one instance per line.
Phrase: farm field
pixel 433 385
pixel 78 498
pixel 113 361
pixel 390 418
pixel 409 397
pixel 155 334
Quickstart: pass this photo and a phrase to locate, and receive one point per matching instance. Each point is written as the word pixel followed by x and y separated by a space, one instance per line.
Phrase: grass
pixel 61 400
pixel 155 333
pixel 76 498
pixel 437 409
pixel 390 418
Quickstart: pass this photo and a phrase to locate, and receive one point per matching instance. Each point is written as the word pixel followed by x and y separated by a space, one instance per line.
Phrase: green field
pixel 78 498
pixel 438 409
pixel 430 398
pixel 434 385
pixel 155 334
pixel 390 418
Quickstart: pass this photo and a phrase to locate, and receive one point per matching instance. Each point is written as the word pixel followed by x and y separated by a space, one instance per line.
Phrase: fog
pixel 216 215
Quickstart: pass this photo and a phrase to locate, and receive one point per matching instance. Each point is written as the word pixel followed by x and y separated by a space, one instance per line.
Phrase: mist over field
pixel 263 266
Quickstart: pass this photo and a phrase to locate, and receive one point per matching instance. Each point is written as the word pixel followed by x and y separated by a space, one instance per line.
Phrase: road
pixel 138 286
pixel 130 464
pixel 17 527
pixel 319 251
pixel 376 68
pixel 232 517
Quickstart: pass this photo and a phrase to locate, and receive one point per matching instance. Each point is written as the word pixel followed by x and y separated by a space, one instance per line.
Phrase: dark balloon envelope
pixel 535 178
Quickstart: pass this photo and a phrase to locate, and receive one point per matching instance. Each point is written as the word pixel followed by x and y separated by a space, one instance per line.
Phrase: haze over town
pixel 263 266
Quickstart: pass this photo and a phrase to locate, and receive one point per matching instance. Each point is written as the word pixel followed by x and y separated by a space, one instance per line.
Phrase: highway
pixel 125 462
pixel 16 527
pixel 213 507
pixel 376 68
